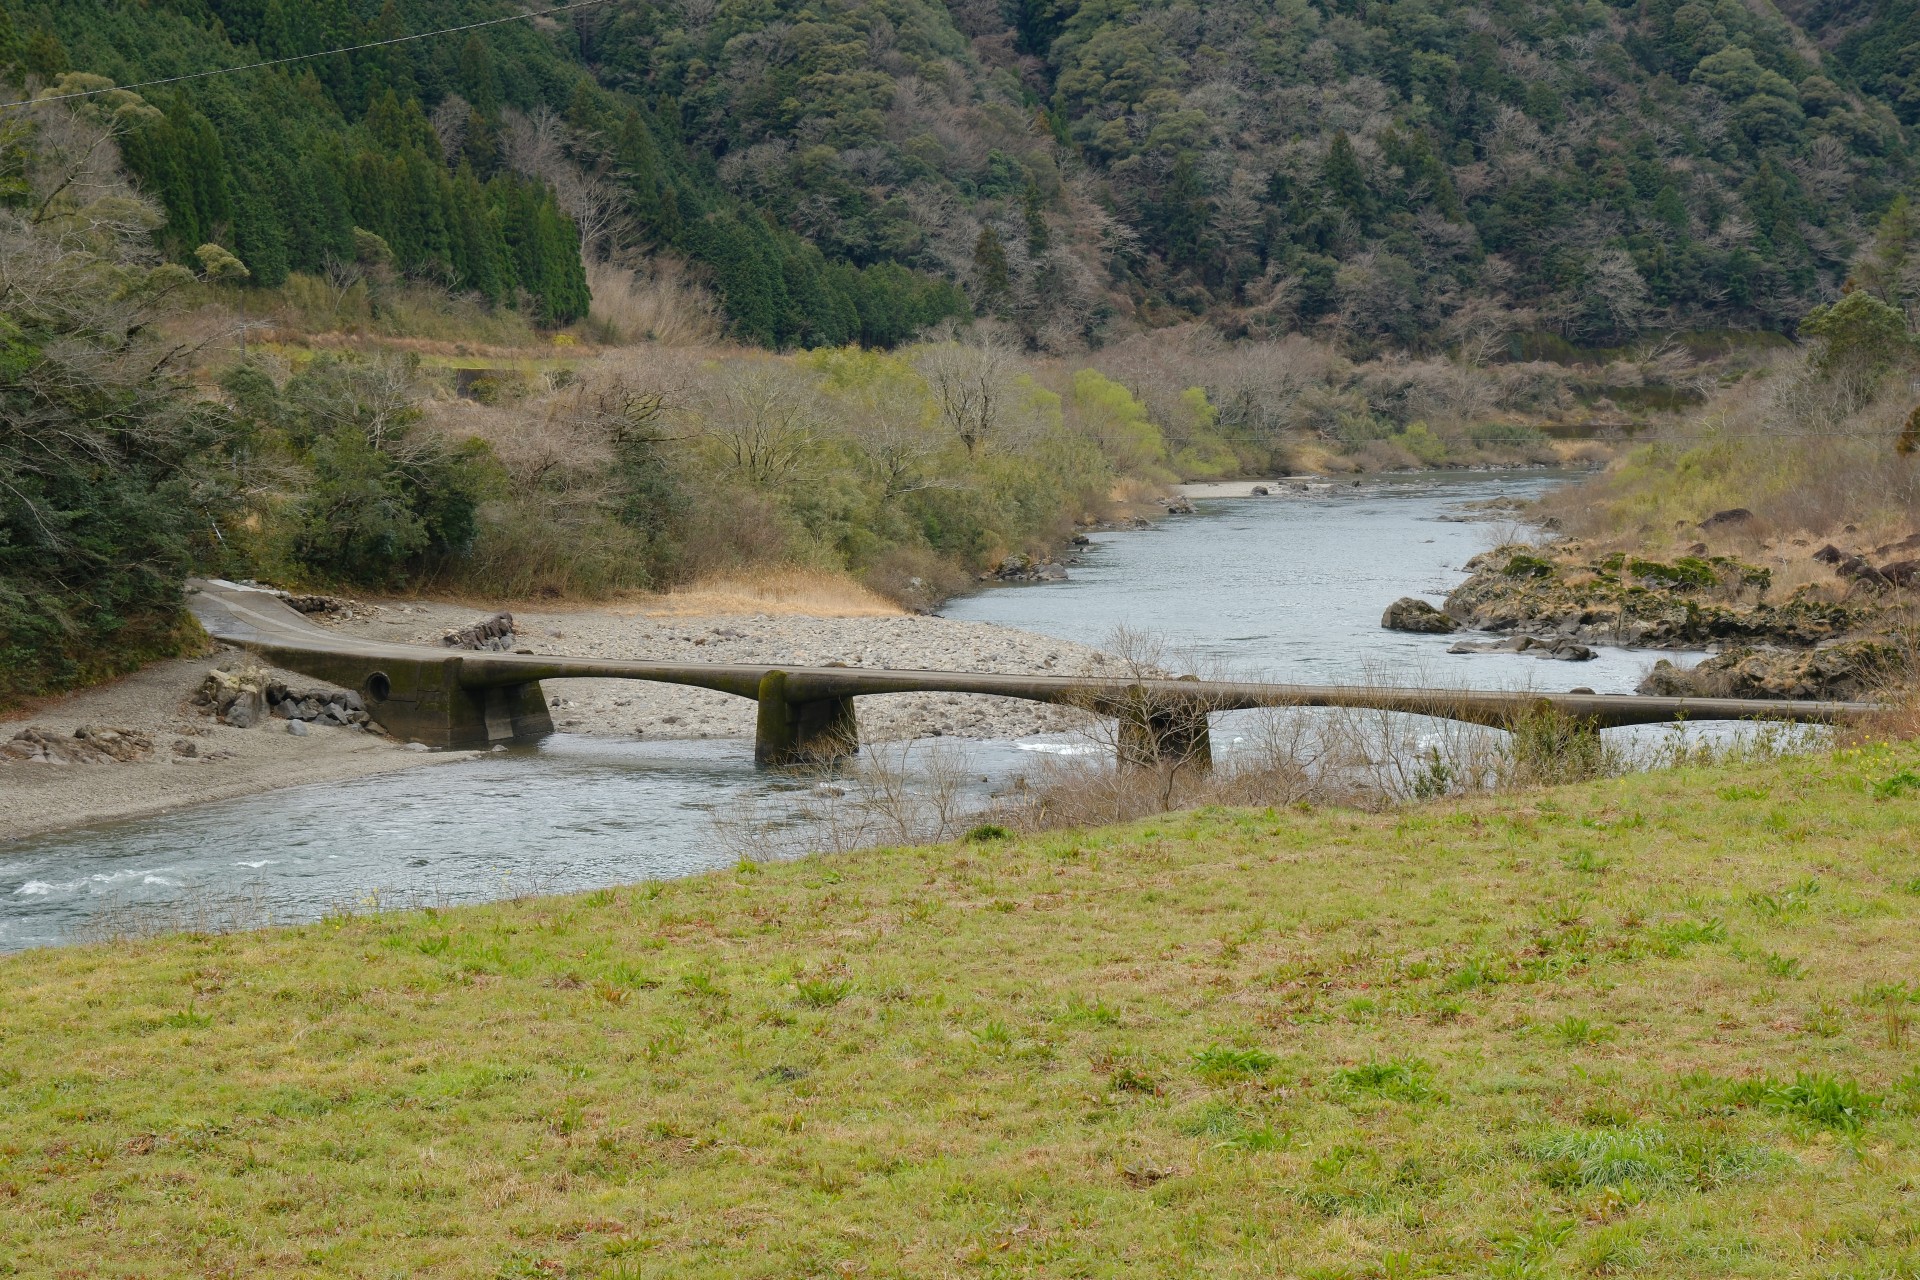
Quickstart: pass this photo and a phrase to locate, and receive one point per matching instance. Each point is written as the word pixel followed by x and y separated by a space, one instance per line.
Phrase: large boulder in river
pixel 1560 648
pixel 1409 614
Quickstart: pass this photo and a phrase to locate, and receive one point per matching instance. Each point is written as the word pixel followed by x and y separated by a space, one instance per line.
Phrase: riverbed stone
pixel 316 706
pixel 1902 573
pixel 298 728
pixel 1724 519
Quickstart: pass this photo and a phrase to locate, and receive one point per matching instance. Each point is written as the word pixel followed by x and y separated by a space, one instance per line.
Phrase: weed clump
pixel 1824 1101
pixel 1644 1158
pixel 1396 1079
pixel 1902 783
pixel 1217 1063
pixel 822 993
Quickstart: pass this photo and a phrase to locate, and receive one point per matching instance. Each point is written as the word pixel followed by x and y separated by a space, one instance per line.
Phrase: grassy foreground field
pixel 1657 1026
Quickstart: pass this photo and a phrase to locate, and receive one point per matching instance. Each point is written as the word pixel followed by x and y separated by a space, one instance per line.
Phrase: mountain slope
pixel 1397 174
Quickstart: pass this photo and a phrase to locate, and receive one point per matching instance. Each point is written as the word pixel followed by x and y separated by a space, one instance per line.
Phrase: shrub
pixel 1688 573
pixel 1506 435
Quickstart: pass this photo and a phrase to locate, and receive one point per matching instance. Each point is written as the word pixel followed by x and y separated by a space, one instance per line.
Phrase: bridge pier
pixel 808 731
pixel 1155 737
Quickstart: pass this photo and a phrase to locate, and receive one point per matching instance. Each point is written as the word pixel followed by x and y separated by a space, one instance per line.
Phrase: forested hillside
pixel 1411 174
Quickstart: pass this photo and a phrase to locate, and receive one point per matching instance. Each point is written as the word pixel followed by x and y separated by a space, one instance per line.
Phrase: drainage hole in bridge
pixel 379 688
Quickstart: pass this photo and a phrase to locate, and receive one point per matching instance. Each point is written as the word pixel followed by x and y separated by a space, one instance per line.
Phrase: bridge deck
pixel 503 686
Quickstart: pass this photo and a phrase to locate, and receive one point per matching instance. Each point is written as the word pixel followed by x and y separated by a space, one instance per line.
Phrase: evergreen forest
pixel 1390 174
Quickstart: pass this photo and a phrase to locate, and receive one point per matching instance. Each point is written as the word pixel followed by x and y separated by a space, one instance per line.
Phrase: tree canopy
pixel 1393 173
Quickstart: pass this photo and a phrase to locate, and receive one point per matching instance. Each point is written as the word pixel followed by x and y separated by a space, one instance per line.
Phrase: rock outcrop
pixel 88 745
pixel 1415 615
pixel 1846 670
pixel 1687 602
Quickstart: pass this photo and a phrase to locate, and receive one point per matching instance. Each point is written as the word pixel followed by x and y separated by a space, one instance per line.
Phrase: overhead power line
pixel 307 57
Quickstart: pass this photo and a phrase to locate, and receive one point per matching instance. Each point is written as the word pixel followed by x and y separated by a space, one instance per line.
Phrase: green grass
pixel 1649 1026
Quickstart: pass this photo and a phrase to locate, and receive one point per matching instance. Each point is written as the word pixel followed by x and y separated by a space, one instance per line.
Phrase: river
pixel 1283 588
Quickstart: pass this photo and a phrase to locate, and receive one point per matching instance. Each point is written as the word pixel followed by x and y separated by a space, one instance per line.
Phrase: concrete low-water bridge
pixel 462 699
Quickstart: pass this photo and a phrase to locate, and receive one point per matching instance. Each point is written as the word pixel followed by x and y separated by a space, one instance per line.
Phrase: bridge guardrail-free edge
pixel 447 698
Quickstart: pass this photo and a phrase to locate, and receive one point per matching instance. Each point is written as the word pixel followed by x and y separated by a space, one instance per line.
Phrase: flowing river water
pixel 1281 588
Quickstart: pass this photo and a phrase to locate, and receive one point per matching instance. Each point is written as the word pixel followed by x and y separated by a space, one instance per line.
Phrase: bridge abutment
pixel 800 732
pixel 422 700
pixel 442 714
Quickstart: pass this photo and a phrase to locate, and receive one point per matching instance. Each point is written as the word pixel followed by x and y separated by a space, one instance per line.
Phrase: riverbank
pixel 188 757
pixel 1628 1025
pixel 182 755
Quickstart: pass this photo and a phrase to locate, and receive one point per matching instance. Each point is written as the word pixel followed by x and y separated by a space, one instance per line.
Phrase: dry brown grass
pixel 1582 453
pixel 780 592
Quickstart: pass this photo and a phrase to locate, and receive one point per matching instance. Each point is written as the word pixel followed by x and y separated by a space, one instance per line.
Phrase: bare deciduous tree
pixel 972 385
pixel 540 146
pixel 762 420
pixel 893 433
pixel 449 121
